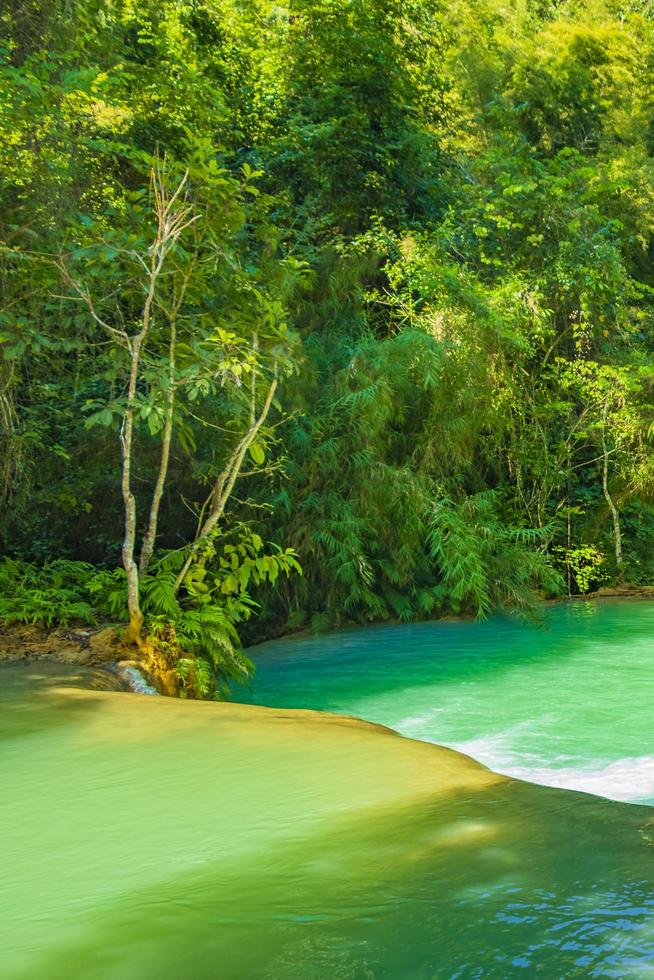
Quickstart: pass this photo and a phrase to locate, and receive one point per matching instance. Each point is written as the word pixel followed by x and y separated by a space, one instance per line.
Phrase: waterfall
pixel 135 680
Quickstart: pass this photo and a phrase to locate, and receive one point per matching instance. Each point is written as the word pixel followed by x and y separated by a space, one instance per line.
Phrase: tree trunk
pixel 133 634
pixel 150 535
pixel 617 535
pixel 225 483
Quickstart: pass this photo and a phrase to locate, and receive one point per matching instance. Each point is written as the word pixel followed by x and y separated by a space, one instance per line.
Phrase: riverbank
pixel 103 647
pixel 102 644
pixel 78 646
pixel 117 798
pixel 99 653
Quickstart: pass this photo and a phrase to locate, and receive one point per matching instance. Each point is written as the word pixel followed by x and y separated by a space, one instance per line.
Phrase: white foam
pixel 416 724
pixel 499 749
pixel 630 780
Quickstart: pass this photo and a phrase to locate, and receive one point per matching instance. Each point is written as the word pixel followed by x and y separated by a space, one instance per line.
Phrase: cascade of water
pixel 135 679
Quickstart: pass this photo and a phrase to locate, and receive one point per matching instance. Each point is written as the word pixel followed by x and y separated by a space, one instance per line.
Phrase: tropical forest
pixel 327 489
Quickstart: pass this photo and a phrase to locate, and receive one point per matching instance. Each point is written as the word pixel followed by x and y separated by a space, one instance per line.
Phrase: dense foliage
pixel 362 285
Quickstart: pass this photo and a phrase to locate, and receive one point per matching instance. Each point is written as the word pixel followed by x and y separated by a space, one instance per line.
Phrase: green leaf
pixel 257 453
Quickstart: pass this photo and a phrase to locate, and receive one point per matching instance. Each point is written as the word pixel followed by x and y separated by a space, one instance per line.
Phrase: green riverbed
pixel 150 838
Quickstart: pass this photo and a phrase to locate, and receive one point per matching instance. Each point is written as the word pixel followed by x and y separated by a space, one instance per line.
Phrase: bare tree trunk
pixel 10 451
pixel 225 483
pixel 133 633
pixel 150 535
pixel 133 602
pixel 617 535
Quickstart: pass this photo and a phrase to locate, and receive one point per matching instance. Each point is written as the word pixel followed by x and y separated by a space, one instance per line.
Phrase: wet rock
pixel 76 646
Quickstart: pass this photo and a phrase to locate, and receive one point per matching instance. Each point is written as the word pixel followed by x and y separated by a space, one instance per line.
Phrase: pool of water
pixel 145 838
pixel 567 703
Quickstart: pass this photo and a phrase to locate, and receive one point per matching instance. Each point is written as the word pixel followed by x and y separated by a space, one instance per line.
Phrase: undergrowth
pixel 190 642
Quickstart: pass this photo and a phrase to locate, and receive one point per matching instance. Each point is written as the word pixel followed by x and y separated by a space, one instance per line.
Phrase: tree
pixel 616 423
pixel 173 216
pixel 146 279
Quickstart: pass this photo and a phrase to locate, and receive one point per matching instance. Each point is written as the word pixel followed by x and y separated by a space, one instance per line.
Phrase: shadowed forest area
pixel 321 312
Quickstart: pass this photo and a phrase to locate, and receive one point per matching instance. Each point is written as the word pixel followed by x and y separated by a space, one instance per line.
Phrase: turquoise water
pixel 146 838
pixel 568 704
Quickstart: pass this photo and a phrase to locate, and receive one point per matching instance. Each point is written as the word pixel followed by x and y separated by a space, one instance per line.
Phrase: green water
pixel 151 839
pixel 568 704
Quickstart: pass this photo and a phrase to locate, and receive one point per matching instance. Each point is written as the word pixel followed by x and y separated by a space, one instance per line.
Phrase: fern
pixel 158 593
pixel 55 594
pixel 399 603
pixel 484 563
pixel 321 622
pixel 200 646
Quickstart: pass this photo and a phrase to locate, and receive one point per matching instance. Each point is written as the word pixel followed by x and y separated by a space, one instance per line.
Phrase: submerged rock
pixel 28 678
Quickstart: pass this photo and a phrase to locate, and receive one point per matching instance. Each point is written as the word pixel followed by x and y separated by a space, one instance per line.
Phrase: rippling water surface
pixel 567 704
pixel 151 839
